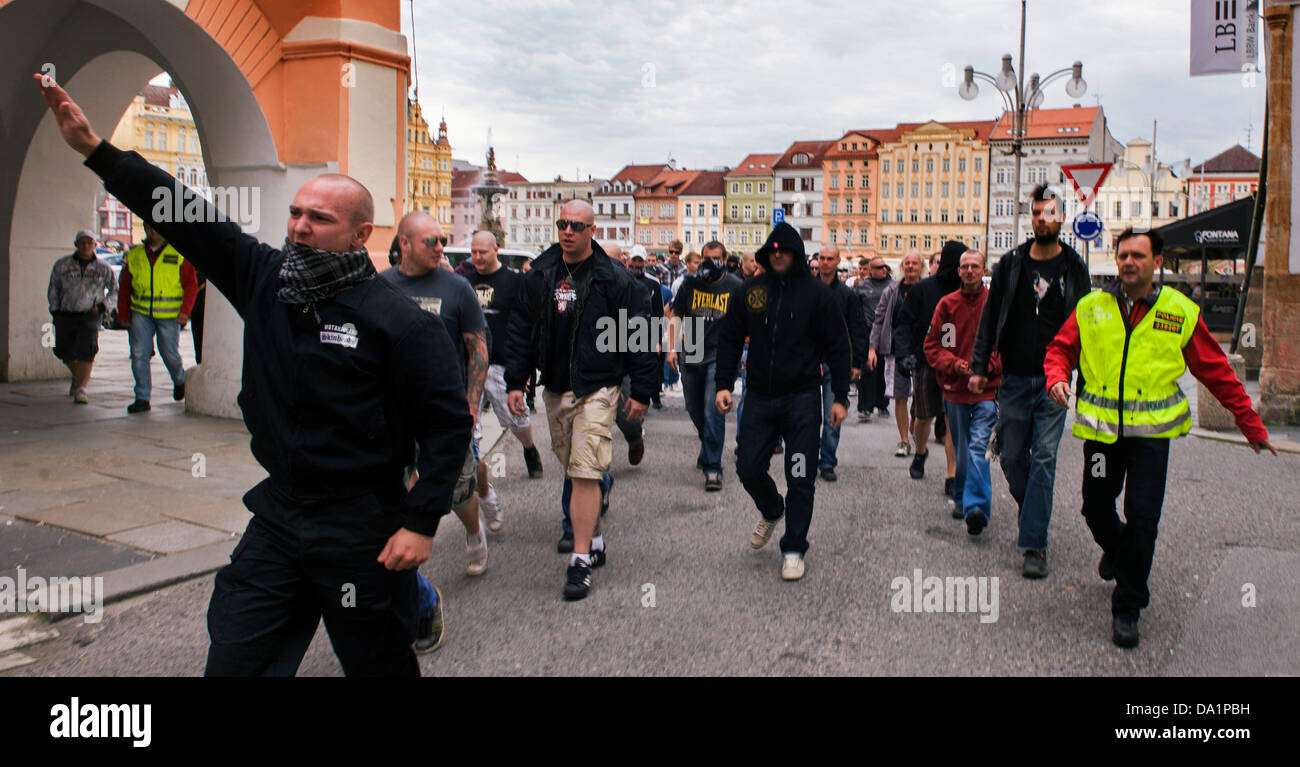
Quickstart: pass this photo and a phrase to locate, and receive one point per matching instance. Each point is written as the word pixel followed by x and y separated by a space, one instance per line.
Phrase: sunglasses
pixel 431 241
pixel 572 226
pixel 675 252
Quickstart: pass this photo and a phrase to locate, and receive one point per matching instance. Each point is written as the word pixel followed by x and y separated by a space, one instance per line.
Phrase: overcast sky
pixel 591 86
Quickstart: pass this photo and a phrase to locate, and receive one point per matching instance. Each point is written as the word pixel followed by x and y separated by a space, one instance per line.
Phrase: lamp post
pixel 1017 100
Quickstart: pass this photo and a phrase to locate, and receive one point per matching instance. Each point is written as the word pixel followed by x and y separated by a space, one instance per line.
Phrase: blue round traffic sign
pixel 1087 225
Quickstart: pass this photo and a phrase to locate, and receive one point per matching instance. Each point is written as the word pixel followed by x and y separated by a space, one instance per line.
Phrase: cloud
pixel 594 86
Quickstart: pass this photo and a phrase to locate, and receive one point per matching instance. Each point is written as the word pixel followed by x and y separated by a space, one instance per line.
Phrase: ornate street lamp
pixel 1017 100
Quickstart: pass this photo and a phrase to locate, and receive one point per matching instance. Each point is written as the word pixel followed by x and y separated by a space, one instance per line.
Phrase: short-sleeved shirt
pixel 497 293
pixel 450 297
pixel 709 301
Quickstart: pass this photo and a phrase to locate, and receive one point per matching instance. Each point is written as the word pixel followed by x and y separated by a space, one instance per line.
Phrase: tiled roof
pixel 756 165
pixel 814 150
pixel 667 179
pixel 707 183
pixel 1073 122
pixel 1237 159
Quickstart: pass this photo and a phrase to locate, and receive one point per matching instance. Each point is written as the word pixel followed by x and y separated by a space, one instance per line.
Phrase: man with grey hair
pixel 898 384
pixel 341 382
pixel 82 287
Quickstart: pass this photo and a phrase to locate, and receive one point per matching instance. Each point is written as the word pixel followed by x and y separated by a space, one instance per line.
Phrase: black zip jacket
pixel 338 394
pixel 1002 293
pixel 609 289
pixel 918 310
pixel 793 323
pixel 849 303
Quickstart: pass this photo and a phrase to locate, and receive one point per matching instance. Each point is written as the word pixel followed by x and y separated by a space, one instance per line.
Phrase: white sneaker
pixel 791 567
pixel 762 533
pixel 491 508
pixel 476 552
pixel 80 397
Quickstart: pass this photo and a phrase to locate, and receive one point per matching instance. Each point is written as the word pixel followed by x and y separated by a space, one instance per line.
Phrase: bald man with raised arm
pixel 341 383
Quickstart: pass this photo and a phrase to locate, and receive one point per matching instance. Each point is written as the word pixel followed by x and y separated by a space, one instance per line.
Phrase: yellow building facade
pixel 428 166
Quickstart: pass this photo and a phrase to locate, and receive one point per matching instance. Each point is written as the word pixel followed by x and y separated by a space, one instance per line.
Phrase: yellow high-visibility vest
pixel 1130 375
pixel 156 289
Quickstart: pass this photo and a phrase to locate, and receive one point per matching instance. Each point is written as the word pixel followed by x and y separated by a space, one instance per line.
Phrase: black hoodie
pixel 918 310
pixel 792 324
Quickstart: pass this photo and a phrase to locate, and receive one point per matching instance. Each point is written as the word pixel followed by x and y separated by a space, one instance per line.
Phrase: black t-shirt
pixel 696 299
pixel 903 289
pixel 1037 314
pixel 496 296
pixel 570 282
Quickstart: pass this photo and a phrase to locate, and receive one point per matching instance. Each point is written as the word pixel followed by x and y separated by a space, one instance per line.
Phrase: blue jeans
pixel 141 335
pixel 830 434
pixel 604 483
pixel 670 375
pixel 700 391
pixel 768 418
pixel 971 426
pixel 1029 433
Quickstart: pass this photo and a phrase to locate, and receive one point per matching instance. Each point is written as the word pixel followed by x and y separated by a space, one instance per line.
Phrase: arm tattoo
pixel 476 359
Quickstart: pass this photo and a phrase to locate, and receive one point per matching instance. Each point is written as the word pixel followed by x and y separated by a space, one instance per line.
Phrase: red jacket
pixel 956 321
pixel 189 283
pixel 1203 355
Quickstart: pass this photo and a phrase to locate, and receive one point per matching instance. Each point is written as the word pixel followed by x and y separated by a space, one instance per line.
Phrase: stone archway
pixel 243 71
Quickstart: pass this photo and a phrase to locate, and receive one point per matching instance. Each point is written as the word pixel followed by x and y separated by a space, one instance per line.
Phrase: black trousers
pixel 796 418
pixel 299 562
pixel 871 389
pixel 196 325
pixel 1138 466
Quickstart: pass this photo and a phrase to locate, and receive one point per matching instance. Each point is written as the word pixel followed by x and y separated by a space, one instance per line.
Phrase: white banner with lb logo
pixel 1225 37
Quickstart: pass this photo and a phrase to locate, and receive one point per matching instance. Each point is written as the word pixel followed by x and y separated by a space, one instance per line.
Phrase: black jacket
pixel 849 303
pixel 918 309
pixel 609 291
pixel 336 395
pixel 1002 293
pixel 793 324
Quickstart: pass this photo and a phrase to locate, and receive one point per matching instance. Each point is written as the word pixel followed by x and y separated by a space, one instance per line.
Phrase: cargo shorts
pixel 581 429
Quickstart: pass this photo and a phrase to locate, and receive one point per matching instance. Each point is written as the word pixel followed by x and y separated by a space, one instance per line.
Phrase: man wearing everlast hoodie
pixel 567 293
pixel 793 325
pixel 1034 290
pixel 909 347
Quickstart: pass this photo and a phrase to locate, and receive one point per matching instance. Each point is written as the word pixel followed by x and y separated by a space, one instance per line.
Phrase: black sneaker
pixel 712 481
pixel 1125 631
pixel 947 486
pixel 1035 565
pixel 829 475
pixel 178 392
pixel 565 546
pixel 917 470
pixel 604 498
pixel 577 582
pixel 429 630
pixel 1106 568
pixel 958 513
pixel 598 558
pixel 975 524
pixel 139 406
pixel 534 462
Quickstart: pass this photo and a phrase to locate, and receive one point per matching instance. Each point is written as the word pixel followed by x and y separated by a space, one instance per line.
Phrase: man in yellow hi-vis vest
pixel 155 299
pixel 1131 342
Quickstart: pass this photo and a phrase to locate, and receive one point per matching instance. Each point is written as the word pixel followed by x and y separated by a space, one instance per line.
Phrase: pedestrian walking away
pixel 1033 289
pixel 849 305
pixel 341 381
pixel 155 298
pixel 420 276
pixel 971 414
pixel 698 309
pixel 81 289
pixel 1131 343
pixel 570 288
pixel 793 325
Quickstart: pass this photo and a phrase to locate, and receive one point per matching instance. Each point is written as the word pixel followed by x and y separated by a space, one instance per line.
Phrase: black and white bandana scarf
pixel 309 275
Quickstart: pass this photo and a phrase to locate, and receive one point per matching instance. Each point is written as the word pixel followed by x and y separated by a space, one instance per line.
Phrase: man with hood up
pixel 909 347
pixel 793 325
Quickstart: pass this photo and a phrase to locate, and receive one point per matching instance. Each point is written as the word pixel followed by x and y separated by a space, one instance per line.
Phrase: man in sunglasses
pixel 675 266
pixel 449 296
pixel 572 291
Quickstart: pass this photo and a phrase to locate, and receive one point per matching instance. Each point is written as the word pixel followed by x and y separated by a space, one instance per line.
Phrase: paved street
pixel 718 607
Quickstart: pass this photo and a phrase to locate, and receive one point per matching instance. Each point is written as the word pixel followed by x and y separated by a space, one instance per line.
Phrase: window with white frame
pixel 961 216
pixel 665 210
pixel 762 212
pixel 749 187
pixel 713 211
pixel 762 187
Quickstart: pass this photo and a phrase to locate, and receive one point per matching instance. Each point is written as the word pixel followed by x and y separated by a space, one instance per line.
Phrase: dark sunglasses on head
pixel 572 226
pixel 431 241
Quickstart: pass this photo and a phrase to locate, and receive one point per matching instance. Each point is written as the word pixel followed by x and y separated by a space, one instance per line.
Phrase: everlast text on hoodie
pixel 792 324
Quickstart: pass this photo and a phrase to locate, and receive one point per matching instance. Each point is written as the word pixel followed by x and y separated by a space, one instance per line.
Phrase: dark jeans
pixel 1131 544
pixel 797 418
pixel 1029 433
pixel 312 560
pixel 631 428
pixel 700 391
pixel 871 389
pixel 830 439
